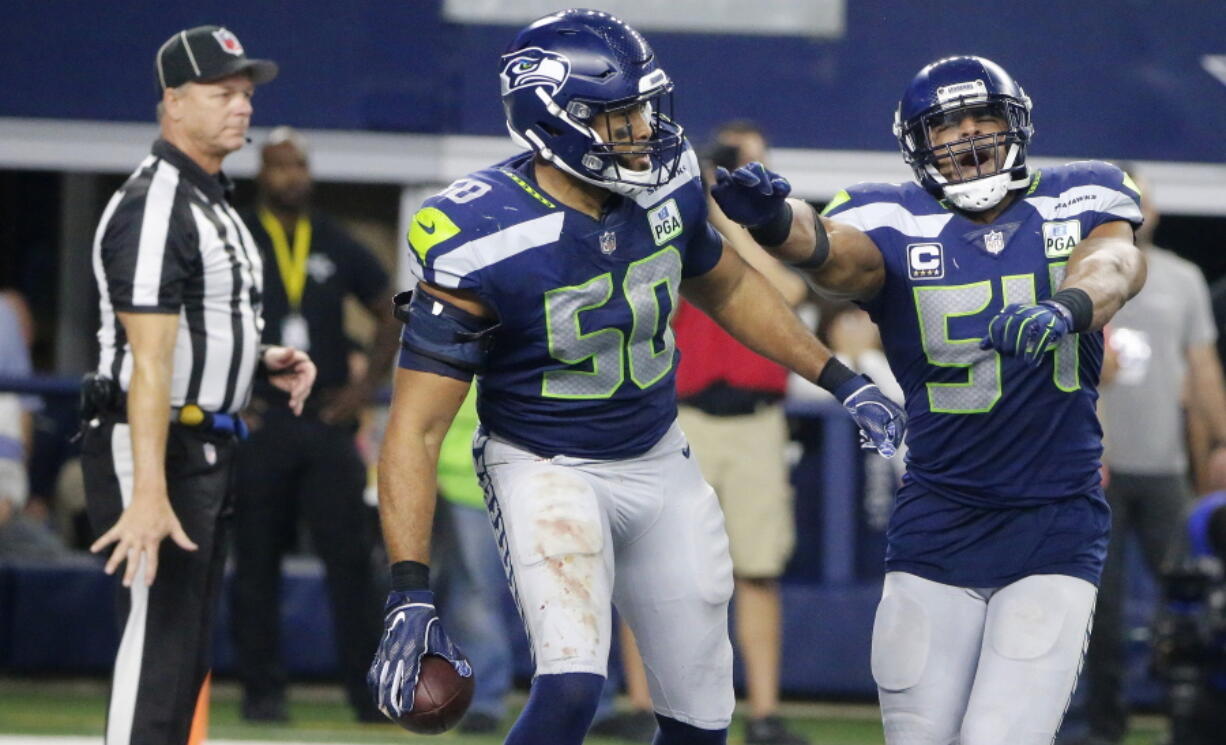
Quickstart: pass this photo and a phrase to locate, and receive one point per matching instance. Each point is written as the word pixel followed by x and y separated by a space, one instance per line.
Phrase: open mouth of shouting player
pixel 969 143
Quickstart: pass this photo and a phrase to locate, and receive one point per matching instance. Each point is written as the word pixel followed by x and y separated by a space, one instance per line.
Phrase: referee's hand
pixel 292 371
pixel 138 534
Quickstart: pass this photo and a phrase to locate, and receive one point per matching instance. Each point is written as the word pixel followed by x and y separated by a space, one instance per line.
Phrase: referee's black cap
pixel 207 53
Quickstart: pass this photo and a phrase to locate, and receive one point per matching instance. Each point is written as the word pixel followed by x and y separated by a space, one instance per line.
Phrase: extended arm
pixel 1109 268
pixel 1104 272
pixel 785 280
pixel 842 262
pixel 148 518
pixel 742 301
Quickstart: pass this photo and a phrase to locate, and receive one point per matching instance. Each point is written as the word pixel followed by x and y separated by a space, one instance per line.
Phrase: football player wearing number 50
pixel 552 277
pixel 990 284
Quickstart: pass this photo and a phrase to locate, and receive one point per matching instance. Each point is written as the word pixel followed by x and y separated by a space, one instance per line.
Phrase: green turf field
pixel 319 714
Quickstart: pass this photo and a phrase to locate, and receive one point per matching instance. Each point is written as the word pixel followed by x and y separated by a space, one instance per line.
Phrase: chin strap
pixel 980 194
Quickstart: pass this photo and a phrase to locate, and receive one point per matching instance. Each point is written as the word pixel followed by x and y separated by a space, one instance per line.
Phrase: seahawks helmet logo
pixel 534 66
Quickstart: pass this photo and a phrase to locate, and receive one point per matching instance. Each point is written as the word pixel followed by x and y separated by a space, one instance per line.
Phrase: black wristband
pixel 410 575
pixel 821 245
pixel 834 375
pixel 775 231
pixel 1079 305
pixel 261 370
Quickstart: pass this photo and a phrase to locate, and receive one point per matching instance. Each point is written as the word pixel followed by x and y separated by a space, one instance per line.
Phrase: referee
pixel 180 284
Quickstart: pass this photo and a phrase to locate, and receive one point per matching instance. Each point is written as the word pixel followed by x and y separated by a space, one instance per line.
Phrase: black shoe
pixel 635 726
pixel 269 709
pixel 479 723
pixel 771 731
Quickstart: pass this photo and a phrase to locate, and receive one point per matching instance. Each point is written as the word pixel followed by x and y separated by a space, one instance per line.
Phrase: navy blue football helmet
pixel 983 167
pixel 565 69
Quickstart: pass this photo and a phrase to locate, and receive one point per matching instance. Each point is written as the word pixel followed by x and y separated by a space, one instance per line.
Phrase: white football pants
pixel 646 534
pixel 964 666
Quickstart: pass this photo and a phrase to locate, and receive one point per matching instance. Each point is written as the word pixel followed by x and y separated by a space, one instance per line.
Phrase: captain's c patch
pixel 925 261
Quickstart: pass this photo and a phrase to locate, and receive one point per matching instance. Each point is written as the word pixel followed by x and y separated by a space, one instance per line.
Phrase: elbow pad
pixel 442 333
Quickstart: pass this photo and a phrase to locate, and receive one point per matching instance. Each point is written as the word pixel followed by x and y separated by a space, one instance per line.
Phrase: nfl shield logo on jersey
pixel 608 242
pixel 994 242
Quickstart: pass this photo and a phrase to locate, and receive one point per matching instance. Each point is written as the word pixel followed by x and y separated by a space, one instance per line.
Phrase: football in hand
pixel 440 699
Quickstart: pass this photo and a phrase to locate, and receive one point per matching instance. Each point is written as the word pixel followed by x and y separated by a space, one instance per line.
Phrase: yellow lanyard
pixel 293 269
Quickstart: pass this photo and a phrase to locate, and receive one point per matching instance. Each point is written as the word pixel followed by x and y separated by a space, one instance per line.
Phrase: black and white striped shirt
pixel 169 242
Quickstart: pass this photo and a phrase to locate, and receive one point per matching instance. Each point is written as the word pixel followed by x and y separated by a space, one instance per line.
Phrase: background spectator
pixel 21 537
pixel 1163 342
pixel 732 414
pixel 307 467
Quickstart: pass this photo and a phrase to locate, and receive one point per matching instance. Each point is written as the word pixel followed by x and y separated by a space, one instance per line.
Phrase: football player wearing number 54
pixel 990 284
pixel 552 277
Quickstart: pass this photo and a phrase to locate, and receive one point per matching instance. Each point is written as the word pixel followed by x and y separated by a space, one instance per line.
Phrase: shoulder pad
pixel 904 207
pixel 1085 186
pixel 462 229
pixel 862 194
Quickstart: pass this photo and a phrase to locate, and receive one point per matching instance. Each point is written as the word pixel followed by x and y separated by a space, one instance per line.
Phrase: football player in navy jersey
pixel 990 284
pixel 552 277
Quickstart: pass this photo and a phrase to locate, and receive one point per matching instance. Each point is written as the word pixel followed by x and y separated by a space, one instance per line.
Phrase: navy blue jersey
pixel 584 360
pixel 986 432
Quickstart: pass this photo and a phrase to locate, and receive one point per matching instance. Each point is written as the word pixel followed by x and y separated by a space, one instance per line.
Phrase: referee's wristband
pixel 261 370
pixel 1079 305
pixel 410 575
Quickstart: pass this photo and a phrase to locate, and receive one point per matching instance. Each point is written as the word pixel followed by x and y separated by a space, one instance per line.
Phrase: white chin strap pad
pixel 980 194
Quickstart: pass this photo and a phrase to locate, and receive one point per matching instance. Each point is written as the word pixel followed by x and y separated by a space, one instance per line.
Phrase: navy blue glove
pixel 883 423
pixel 411 629
pixel 751 195
pixel 1028 331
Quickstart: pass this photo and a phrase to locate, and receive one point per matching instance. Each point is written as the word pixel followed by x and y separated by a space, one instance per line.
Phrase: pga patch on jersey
pixel 1060 237
pixel 665 222
pixel 925 261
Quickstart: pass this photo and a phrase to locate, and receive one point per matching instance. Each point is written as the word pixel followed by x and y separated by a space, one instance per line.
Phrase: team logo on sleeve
pixel 1060 238
pixel 534 66
pixel 665 222
pixel 925 261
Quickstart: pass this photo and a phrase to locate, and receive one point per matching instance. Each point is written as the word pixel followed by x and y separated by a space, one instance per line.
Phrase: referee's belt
pixel 102 397
pixel 197 418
